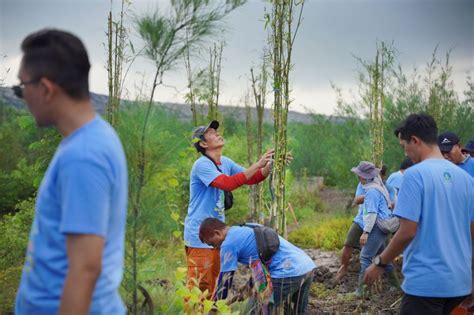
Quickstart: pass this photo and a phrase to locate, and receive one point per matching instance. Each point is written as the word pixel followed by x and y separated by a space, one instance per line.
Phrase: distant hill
pixel 182 110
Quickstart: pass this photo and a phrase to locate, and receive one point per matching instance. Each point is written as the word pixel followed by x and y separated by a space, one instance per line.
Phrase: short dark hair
pixel 208 226
pixel 406 163
pixel 59 56
pixel 420 125
pixel 199 148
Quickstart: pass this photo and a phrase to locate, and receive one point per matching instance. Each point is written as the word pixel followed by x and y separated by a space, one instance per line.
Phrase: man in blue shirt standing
pixel 451 148
pixel 436 211
pixel 75 255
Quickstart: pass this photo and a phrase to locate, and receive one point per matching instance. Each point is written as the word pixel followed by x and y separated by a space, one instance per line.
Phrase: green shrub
pixel 9 282
pixel 14 234
pixel 328 234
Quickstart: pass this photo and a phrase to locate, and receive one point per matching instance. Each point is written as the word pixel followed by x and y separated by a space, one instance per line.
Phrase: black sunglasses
pixel 18 89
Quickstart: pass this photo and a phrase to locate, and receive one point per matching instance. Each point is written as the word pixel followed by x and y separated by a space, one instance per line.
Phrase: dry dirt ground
pixel 331 297
pixel 328 296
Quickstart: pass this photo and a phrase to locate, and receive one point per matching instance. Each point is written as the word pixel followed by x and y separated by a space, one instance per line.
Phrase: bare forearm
pixel 249 172
pixel 358 200
pixel 77 292
pixel 266 170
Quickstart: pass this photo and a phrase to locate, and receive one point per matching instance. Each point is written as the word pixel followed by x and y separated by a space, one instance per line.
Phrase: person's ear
pixel 203 144
pixel 219 233
pixel 415 140
pixel 51 88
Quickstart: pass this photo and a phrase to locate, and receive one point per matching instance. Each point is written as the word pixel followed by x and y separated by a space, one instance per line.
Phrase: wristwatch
pixel 378 262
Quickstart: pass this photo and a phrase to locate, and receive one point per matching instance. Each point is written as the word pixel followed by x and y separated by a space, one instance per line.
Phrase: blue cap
pixel 469 147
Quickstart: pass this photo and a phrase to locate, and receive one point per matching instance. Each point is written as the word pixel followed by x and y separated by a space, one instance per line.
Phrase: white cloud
pixel 9 70
pixel 98 79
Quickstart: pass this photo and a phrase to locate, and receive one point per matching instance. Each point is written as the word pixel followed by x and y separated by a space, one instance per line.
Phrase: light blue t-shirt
pixel 204 200
pixel 359 217
pixel 392 193
pixel 375 202
pixel 240 246
pixel 395 181
pixel 84 191
pixel 440 197
pixel 468 165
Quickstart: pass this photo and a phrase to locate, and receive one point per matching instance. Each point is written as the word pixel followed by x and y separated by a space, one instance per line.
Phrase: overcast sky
pixel 331 33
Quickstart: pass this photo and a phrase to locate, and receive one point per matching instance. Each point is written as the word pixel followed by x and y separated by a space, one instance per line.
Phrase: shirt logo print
pixel 447 177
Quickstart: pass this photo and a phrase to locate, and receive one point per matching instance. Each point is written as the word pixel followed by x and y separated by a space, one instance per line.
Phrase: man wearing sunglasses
pixel 74 259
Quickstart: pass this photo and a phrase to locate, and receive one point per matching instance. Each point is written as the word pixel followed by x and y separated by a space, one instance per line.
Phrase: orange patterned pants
pixel 203 268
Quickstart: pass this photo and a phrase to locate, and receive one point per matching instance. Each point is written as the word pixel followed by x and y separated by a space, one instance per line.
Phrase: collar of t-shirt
pixel 466 159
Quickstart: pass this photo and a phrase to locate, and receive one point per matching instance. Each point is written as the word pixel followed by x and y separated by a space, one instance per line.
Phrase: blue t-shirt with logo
pixel 358 218
pixel 439 196
pixel 204 200
pixel 84 191
pixel 468 165
pixel 240 246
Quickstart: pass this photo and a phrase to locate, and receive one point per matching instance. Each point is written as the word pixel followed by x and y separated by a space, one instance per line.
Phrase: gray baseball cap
pixel 366 170
pixel 198 132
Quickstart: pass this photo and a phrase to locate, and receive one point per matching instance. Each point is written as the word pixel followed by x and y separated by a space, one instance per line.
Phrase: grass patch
pixel 319 291
pixel 328 233
pixel 9 282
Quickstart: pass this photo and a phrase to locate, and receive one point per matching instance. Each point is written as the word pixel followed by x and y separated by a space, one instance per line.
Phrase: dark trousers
pixel 290 295
pixel 415 305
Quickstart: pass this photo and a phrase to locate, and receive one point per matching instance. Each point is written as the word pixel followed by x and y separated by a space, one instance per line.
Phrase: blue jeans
pixel 293 293
pixel 374 246
pixel 289 295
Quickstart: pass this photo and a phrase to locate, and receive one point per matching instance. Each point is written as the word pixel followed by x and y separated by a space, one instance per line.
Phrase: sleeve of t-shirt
pixel 371 201
pixel 206 171
pixel 85 198
pixel 410 197
pixel 359 190
pixel 229 259
pixel 234 167
pixel 391 192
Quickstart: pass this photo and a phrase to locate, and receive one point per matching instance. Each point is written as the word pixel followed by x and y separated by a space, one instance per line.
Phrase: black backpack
pixel 268 241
